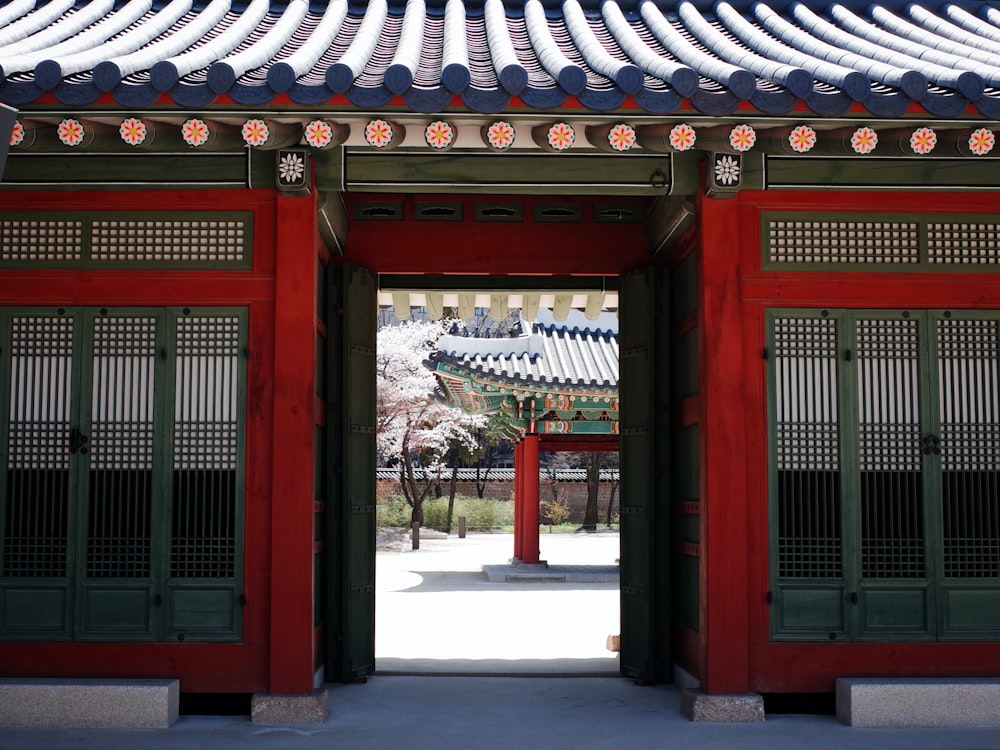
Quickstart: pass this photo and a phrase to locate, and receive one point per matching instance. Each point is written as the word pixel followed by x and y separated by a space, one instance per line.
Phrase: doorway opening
pixel 414 256
pixel 473 587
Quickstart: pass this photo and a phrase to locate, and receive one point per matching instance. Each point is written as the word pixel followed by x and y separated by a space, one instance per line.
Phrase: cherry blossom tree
pixel 414 427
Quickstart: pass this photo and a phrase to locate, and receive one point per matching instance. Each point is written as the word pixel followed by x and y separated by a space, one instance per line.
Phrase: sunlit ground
pixel 437 612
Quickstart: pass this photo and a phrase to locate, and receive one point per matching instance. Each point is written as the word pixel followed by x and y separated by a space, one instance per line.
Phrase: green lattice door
pixel 121 512
pixel 884 481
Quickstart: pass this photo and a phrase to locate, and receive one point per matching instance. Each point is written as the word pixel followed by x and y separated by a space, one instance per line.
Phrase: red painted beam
pixel 578 443
pixel 474 247
pixel 814 667
pixel 201 667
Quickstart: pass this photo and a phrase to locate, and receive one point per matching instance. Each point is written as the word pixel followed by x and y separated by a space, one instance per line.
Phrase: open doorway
pixel 472 586
pixel 564 258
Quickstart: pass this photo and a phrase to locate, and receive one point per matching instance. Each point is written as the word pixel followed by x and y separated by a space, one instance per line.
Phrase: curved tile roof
pixel 551 355
pixel 484 55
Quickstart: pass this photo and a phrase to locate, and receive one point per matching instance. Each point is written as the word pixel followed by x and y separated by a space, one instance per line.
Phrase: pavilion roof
pixel 550 358
pixel 491 56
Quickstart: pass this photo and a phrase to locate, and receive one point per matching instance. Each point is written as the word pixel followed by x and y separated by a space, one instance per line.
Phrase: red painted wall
pixel 238 667
pixel 736 653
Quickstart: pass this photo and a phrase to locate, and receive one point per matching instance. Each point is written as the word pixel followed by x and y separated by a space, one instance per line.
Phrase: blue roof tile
pixel 666 54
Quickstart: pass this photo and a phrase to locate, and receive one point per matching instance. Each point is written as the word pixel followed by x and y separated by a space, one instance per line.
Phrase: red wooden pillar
pixel 518 499
pixel 724 563
pixel 529 506
pixel 292 657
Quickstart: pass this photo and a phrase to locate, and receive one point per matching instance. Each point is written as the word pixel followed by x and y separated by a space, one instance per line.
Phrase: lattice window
pixel 890 457
pixel 807 448
pixel 40 240
pixel 205 447
pixel 173 239
pixel 843 242
pixel 160 241
pixel 967 244
pixel 37 488
pixel 120 447
pixel 969 374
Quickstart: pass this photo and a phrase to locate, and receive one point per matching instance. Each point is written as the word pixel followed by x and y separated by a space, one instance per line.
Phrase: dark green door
pixel 122 485
pixel 645 615
pixel 351 469
pixel 885 509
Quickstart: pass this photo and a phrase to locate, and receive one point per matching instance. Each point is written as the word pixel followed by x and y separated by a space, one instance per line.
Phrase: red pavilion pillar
pixel 518 499
pixel 529 505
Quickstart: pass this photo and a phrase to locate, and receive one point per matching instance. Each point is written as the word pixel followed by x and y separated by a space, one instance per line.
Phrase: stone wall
pixel 574 492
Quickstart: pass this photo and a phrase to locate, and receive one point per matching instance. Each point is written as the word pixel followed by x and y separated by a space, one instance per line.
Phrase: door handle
pixel 931 444
pixel 77 441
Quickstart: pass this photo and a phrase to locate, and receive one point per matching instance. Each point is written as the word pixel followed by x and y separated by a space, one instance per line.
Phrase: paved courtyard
pixel 437 611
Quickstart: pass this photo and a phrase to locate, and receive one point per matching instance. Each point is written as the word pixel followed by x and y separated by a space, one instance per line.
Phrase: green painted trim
pixel 875 173
pixel 115 171
pixel 566 174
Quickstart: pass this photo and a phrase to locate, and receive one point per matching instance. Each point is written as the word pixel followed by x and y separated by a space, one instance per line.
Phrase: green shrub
pixel 392 511
pixel 480 514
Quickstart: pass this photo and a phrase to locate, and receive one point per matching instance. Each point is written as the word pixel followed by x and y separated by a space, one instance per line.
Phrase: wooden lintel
pixel 669 219
pixel 332 220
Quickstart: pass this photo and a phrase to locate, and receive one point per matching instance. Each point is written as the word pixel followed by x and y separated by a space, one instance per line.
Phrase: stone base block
pixel 314 708
pixel 935 702
pixel 697 705
pixel 88 703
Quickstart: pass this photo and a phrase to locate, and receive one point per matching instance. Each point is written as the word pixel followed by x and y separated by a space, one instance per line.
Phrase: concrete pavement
pixel 504 713
pixel 439 614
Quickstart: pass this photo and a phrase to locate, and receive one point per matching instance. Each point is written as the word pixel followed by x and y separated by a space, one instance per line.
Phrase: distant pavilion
pixel 558 387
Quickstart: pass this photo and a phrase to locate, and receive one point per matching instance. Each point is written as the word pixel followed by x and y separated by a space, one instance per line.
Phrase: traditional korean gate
pixel 644 441
pixel 121 516
pixel 350 649
pixel 885 475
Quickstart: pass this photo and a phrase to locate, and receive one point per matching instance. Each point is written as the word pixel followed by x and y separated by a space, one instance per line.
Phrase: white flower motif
pixel 727 170
pixel 291 168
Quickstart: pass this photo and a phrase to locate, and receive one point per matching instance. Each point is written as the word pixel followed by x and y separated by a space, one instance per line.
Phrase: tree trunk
pixel 452 488
pixel 593 490
pixel 613 490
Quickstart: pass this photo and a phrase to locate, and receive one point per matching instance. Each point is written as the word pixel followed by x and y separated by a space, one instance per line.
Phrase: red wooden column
pixel 724 630
pixel 292 657
pixel 529 505
pixel 518 499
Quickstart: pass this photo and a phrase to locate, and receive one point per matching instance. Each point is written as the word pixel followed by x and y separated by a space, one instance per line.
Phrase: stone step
pixel 88 703
pixel 891 703
pixel 543 573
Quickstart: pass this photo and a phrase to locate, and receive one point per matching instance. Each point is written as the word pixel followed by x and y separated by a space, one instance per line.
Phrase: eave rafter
pixel 41 131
